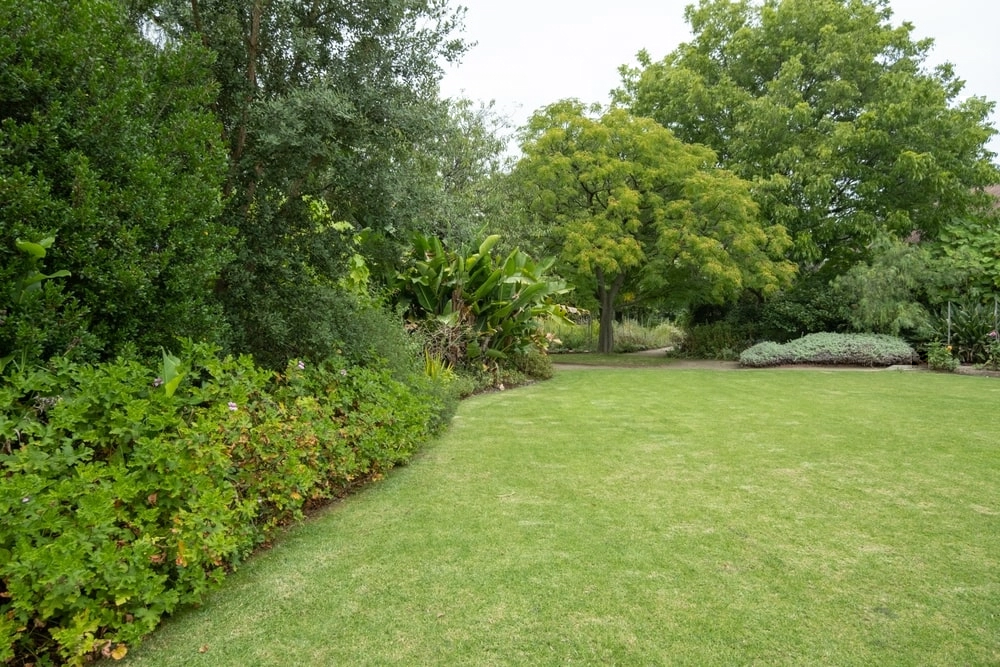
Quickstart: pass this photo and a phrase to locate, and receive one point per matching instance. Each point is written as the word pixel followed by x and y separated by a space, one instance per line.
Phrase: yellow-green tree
pixel 625 202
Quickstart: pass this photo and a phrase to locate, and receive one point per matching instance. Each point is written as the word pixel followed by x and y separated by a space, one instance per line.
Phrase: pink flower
pixel 302 365
pixel 993 334
pixel 232 406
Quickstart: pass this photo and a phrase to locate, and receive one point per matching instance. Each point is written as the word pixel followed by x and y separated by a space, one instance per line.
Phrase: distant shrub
pixel 631 336
pixel 718 340
pixel 941 358
pixel 830 348
pixel 566 337
pixel 766 354
pixel 535 364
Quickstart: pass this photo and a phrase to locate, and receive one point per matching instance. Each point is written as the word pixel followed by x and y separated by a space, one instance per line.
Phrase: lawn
pixel 619 517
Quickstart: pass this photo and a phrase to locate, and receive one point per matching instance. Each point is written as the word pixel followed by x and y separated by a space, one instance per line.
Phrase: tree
pixel 325 100
pixel 627 201
pixel 464 164
pixel 829 110
pixel 107 146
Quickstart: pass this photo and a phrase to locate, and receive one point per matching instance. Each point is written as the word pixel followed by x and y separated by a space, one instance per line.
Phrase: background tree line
pixel 252 172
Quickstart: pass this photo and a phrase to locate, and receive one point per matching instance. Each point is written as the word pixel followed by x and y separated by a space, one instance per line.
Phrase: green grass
pixel 614 360
pixel 676 517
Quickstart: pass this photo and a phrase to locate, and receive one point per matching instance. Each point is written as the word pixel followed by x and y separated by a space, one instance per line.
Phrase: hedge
pixel 125 496
pixel 833 349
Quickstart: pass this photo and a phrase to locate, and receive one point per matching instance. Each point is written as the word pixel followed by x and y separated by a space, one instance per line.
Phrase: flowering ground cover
pixel 612 516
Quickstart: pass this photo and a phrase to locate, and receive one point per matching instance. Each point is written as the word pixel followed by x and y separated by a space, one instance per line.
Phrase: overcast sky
pixel 531 53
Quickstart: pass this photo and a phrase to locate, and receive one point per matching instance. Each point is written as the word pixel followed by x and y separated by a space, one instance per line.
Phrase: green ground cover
pixel 675 517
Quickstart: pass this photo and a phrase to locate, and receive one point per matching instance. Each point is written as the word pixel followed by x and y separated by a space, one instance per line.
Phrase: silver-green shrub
pixel 834 349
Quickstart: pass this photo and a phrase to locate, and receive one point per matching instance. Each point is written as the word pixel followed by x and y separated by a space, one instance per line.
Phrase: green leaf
pixel 36 250
pixel 171 373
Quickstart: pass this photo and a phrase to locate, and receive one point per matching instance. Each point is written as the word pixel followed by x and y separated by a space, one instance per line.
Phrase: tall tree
pixel 627 201
pixel 322 100
pixel 107 144
pixel 830 111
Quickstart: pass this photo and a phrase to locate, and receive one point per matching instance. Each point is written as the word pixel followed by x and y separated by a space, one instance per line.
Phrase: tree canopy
pixel 323 101
pixel 830 111
pixel 627 203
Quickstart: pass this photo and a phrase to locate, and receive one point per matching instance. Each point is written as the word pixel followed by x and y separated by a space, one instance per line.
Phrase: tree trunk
pixel 607 295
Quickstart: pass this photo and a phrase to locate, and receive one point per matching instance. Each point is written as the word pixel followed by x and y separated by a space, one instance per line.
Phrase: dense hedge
pixel 122 502
pixel 830 348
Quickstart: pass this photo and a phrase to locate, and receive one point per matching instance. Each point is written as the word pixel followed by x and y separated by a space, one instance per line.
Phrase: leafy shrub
pixel 491 306
pixel 766 354
pixel 941 358
pixel 535 364
pixel 124 499
pixel 811 306
pixel 830 348
pixel 718 340
pixel 969 329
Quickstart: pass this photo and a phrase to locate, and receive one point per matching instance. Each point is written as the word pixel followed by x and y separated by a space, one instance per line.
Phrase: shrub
pixel 718 340
pixel 940 357
pixel 493 305
pixel 535 364
pixel 766 354
pixel 630 336
pixel 124 499
pixel 969 329
pixel 829 348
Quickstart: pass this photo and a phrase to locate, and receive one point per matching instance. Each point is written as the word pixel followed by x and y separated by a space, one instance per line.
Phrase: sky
pixel 531 53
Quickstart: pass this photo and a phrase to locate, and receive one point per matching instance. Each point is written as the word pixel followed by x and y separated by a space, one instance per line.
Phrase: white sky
pixel 531 53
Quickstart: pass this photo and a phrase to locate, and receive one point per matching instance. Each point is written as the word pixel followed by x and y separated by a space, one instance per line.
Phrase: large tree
pixel 320 101
pixel 831 112
pixel 626 202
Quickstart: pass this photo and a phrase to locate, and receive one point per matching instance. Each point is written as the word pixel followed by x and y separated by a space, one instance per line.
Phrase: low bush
pixel 535 364
pixel 829 348
pixel 126 495
pixel 941 358
pixel 718 340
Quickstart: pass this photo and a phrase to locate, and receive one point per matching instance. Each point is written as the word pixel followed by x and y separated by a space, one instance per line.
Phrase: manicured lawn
pixel 647 518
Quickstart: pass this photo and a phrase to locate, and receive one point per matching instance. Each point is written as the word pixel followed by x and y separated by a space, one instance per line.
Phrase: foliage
pixel 468 190
pixel 966 256
pixel 888 294
pixel 535 364
pixel 966 325
pixel 717 340
pixel 631 336
pixel 830 111
pixel 477 308
pixel 940 357
pixel 323 102
pixel 34 306
pixel 125 500
pixel 993 350
pixel 829 348
pixel 108 143
pixel 809 306
pixel 630 205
